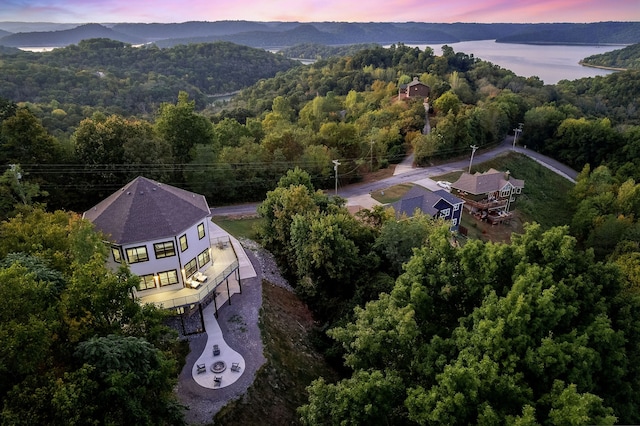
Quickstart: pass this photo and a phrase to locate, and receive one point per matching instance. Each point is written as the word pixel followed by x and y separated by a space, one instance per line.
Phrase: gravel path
pixel 239 324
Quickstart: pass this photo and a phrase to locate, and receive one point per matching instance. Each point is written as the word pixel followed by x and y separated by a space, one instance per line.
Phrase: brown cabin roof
pixel 483 183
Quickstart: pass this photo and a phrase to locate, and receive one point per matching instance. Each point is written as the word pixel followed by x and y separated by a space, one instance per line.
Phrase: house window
pixel 165 249
pixel 201 231
pixel 190 268
pixel 456 207
pixel 454 221
pixel 518 190
pixel 204 258
pixel 505 192
pixel 137 254
pixel 168 277
pixel 445 213
pixel 117 254
pixel 183 243
pixel 147 282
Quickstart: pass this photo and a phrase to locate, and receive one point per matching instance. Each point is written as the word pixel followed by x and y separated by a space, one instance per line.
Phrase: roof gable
pixel 428 202
pixel 482 183
pixel 145 210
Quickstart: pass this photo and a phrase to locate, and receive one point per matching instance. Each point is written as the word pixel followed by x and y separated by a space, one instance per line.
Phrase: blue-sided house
pixel 439 204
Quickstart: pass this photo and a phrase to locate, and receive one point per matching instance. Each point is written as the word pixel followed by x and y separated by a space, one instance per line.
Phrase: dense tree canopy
pixel 492 334
pixel 75 347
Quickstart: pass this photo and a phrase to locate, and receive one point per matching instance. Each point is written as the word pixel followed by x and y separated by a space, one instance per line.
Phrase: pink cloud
pixel 316 10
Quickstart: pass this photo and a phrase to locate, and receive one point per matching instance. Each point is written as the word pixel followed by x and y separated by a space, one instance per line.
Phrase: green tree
pixel 183 128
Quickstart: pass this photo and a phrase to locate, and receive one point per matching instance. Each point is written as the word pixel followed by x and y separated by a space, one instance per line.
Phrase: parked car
pixel 444 184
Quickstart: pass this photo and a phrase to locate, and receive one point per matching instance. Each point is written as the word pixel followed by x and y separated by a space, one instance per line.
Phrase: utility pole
pixel 335 168
pixel 371 159
pixel 474 148
pixel 516 132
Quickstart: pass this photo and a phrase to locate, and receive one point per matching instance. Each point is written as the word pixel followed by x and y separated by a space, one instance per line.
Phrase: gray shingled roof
pixel 425 200
pixel 483 183
pixel 145 210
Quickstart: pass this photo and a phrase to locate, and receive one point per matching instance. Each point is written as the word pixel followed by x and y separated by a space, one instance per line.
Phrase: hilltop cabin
pixel 439 204
pixel 488 196
pixel 163 234
pixel 414 90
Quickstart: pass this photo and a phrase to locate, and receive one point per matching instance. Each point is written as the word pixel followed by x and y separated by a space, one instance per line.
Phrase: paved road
pixel 416 174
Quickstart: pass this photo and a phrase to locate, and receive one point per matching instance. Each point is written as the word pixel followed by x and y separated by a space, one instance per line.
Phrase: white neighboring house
pixel 162 233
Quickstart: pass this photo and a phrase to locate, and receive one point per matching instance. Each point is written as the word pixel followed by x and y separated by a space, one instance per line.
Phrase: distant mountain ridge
pixel 66 37
pixel 283 34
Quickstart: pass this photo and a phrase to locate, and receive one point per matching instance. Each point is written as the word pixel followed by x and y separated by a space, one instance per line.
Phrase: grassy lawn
pixel 391 194
pixel 239 228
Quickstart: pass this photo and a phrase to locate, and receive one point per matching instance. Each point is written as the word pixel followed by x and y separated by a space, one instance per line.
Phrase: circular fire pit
pixel 218 367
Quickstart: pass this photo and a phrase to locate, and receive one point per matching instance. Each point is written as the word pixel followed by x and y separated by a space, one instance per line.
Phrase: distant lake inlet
pixel 550 63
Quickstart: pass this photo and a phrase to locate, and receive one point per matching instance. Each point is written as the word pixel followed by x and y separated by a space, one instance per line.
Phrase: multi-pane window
pixel 191 267
pixel 168 277
pixel 183 242
pixel 454 221
pixel 456 207
pixel 505 192
pixel 445 213
pixel 204 258
pixel 117 254
pixel 137 254
pixel 146 282
pixel 201 231
pixel 165 249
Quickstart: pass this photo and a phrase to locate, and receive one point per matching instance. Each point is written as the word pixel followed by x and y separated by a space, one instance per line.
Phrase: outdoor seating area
pixel 200 277
pixel 202 368
pixel 217 381
pixel 216 350
pixel 235 367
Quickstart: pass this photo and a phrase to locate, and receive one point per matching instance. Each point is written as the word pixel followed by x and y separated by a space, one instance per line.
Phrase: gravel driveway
pixel 239 324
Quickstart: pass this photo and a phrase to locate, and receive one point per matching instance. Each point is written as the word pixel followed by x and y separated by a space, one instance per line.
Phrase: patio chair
pixel 201 368
pixel 216 350
pixel 235 366
pixel 217 381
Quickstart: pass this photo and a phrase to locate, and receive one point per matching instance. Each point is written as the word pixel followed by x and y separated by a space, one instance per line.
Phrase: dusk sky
pixel 488 11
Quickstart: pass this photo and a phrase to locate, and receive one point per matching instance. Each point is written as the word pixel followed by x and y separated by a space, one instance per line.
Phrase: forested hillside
pixel 625 58
pixel 427 329
pixel 285 34
pixel 119 78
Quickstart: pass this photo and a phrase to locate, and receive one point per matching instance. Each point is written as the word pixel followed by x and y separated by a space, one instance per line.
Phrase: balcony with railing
pixel 225 263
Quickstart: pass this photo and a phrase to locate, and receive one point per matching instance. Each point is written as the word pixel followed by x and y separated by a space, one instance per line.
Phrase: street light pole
pixel 335 169
pixel 473 147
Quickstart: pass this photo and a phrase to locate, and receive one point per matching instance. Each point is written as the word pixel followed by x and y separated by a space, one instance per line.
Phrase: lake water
pixel 551 63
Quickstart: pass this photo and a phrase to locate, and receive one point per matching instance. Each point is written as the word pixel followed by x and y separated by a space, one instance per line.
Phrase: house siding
pixel 153 266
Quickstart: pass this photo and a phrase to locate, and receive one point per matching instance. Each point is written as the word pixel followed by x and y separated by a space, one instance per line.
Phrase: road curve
pixel 418 173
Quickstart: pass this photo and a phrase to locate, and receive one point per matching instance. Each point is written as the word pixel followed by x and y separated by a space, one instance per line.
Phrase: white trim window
pixel 444 213
pixel 201 233
pixel 456 207
pixel 454 221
